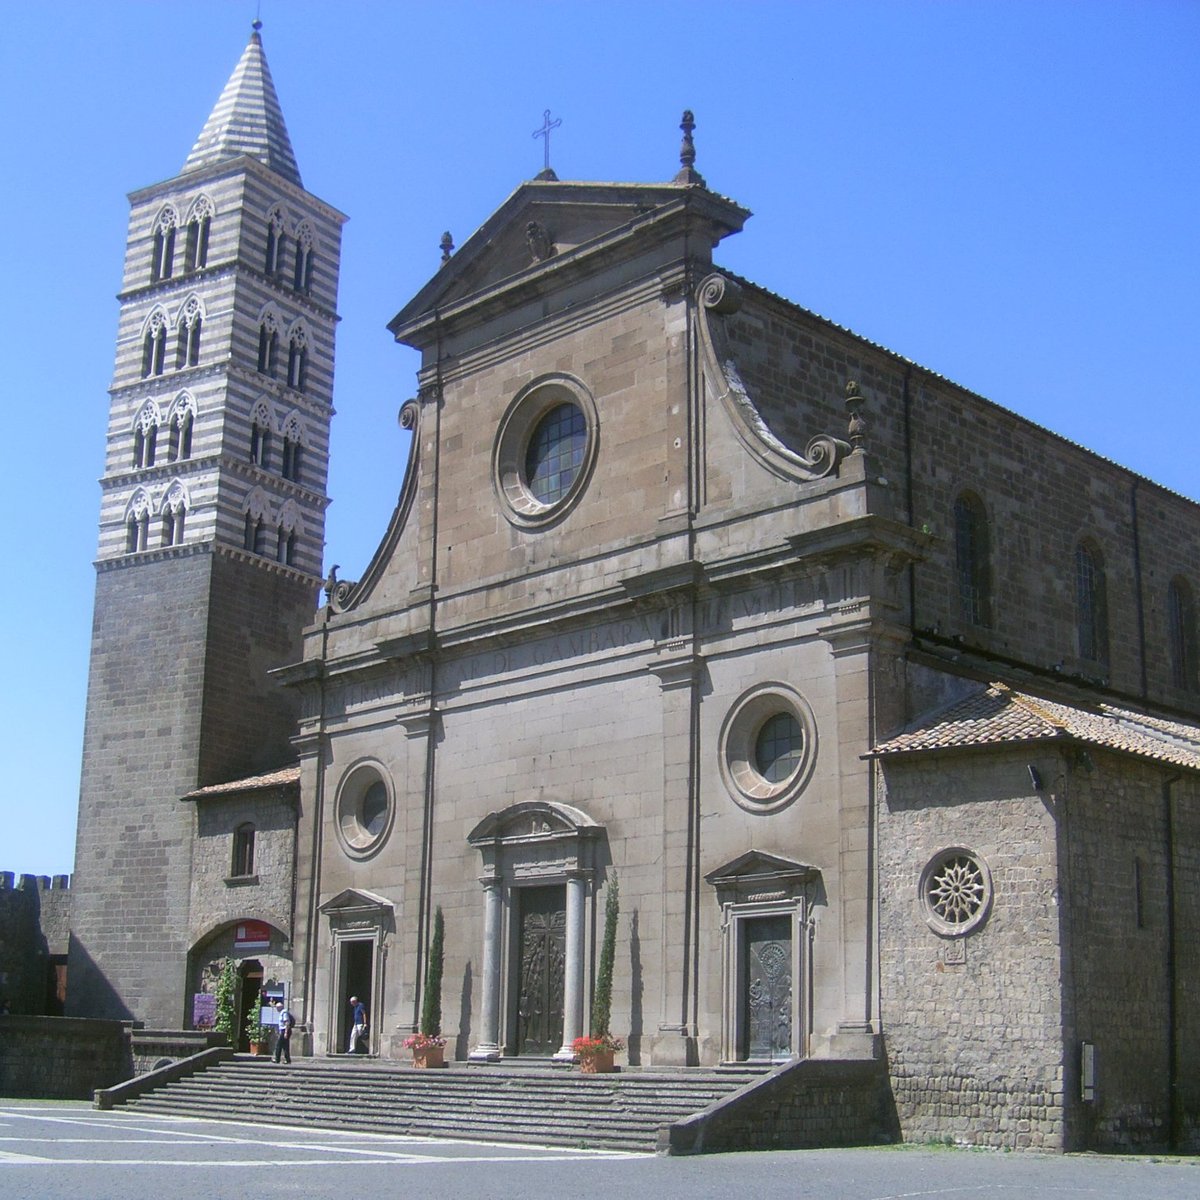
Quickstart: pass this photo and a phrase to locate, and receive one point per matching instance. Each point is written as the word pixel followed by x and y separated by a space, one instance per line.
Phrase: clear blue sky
pixel 1007 193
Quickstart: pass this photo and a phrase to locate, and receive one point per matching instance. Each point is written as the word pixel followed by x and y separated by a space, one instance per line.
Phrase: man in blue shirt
pixel 283 1038
pixel 359 1028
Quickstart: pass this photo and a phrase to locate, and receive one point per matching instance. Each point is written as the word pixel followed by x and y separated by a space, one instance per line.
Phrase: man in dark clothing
pixel 283 1040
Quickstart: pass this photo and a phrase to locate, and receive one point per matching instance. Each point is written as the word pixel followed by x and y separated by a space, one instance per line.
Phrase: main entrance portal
pixel 541 959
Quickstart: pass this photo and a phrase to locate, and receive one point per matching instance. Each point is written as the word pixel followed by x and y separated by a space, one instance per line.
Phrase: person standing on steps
pixel 283 1040
pixel 358 1028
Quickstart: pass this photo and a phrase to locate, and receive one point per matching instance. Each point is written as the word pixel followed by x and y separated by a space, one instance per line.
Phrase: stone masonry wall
pixel 62 1058
pixel 1041 493
pixel 972 1024
pixel 1121 905
pixel 34 926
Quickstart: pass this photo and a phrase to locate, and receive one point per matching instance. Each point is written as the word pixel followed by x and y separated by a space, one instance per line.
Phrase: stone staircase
pixel 549 1106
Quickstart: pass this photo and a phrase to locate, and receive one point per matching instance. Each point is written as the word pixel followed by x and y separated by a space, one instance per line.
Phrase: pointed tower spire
pixel 247 119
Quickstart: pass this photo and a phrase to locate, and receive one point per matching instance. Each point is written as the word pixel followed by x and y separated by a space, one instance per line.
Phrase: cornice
pixel 243 165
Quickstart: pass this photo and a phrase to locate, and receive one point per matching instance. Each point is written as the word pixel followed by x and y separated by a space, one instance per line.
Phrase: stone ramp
pixel 544 1106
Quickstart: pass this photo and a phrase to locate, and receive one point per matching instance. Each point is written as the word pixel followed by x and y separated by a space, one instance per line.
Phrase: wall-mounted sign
pixel 252 935
pixel 204 1010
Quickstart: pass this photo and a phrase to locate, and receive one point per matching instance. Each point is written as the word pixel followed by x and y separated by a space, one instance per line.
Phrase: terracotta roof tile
pixel 284 777
pixel 998 715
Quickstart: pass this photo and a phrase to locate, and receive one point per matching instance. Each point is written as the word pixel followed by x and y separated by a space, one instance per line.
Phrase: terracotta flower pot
pixel 256 1048
pixel 599 1063
pixel 429 1056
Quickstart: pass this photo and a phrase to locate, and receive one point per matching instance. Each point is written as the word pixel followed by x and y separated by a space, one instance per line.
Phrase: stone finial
pixel 858 426
pixel 687 152
pixel 447 246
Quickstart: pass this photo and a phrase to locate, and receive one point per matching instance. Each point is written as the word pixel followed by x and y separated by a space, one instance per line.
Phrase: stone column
pixel 573 982
pixel 487 1049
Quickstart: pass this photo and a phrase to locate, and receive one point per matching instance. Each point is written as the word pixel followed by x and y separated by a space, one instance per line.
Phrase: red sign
pixel 252 935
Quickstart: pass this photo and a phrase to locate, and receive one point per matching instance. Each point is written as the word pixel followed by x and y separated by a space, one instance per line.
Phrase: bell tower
pixel 212 518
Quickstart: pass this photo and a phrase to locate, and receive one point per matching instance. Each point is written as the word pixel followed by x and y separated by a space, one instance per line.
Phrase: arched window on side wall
pixel 1091 604
pixel 972 560
pixel 243 850
pixel 1181 629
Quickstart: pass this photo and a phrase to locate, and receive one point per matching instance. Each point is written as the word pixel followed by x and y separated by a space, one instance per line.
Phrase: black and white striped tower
pixel 211 529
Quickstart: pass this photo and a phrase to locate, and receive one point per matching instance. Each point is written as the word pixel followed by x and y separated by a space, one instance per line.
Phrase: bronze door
pixel 767 987
pixel 541 955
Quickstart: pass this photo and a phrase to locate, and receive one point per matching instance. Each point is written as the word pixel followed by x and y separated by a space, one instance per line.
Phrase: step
pixel 541 1105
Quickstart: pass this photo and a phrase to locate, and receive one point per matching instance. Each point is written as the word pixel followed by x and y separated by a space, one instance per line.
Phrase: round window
pixel 956 891
pixel 555 453
pixel 364 810
pixel 544 450
pixel 768 748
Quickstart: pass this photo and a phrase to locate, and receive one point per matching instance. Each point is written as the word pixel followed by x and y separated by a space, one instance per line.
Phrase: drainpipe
pixel 425 906
pixel 314 886
pixel 1172 972
pixel 1137 582
pixel 909 501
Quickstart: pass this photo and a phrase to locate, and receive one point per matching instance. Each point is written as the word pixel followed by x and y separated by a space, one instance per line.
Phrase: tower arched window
pixel 182 421
pixel 137 523
pixel 154 344
pixel 174 510
pixel 972 560
pixel 162 265
pixel 287 532
pixel 297 376
pixel 195 254
pixel 1091 604
pixel 269 343
pixel 302 276
pixel 276 243
pixel 187 349
pixel 243 850
pixel 260 436
pixel 292 449
pixel 145 436
pixel 1181 630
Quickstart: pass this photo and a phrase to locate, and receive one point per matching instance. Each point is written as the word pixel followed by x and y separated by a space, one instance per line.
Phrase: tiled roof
pixel 247 119
pixel 998 715
pixel 255 783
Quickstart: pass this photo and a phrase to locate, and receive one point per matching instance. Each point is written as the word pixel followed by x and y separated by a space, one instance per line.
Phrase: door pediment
pixel 756 875
pixel 357 909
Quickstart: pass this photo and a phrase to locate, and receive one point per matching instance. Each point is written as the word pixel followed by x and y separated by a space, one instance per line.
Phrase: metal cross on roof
pixel 544 132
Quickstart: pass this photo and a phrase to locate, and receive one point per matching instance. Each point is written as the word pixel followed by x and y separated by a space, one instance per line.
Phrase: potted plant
pixel 596 1051
pixel 427 1045
pixel 256 1032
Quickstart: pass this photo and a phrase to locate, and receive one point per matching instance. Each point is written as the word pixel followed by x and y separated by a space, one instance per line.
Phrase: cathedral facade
pixel 878 700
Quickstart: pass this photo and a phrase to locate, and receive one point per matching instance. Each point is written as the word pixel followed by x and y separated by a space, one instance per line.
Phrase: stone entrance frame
pixel 764 885
pixel 357 916
pixel 532 843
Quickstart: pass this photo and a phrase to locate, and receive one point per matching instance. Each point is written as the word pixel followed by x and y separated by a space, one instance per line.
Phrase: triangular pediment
pixel 544 226
pixel 357 900
pixel 756 866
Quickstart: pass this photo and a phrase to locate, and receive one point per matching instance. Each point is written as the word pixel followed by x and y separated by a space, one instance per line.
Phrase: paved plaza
pixel 68 1151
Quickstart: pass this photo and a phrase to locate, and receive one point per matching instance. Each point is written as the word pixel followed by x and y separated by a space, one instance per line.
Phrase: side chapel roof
pixel 1000 715
pixel 247 119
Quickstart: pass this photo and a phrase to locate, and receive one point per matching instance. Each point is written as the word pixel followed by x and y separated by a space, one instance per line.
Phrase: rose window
pixel 956 890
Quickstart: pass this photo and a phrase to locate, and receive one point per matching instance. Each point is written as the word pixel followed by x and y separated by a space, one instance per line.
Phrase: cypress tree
pixel 602 1003
pixel 431 999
